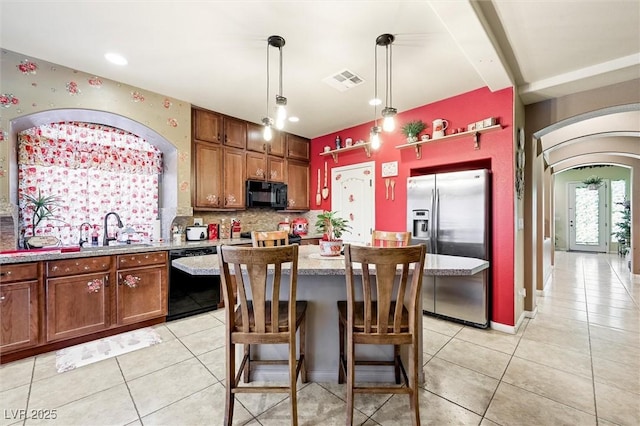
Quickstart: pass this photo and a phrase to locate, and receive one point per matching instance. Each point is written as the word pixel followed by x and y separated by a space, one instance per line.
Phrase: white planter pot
pixel 330 248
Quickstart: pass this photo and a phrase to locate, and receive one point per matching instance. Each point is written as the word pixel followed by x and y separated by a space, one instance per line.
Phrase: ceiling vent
pixel 343 80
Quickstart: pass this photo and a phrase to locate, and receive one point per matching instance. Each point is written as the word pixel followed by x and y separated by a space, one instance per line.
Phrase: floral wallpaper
pixel 30 85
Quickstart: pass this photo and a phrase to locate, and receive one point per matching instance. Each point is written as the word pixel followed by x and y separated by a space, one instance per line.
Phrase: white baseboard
pixel 510 329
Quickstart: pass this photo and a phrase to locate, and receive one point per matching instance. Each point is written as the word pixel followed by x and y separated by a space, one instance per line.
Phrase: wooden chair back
pixel 394 280
pixel 257 286
pixel 269 238
pixel 390 239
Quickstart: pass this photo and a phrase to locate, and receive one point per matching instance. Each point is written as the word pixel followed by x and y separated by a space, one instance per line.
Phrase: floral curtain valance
pixel 77 145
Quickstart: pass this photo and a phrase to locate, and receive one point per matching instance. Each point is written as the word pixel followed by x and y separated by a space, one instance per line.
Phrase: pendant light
pixel 281 101
pixel 388 112
pixel 374 134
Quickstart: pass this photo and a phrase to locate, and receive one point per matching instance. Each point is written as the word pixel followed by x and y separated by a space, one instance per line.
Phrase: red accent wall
pixel 496 153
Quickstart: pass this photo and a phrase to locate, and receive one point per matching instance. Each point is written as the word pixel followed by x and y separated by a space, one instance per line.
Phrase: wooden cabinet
pixel 234 178
pixel 256 142
pixel 298 185
pixel 19 325
pixel 142 288
pixel 235 132
pixel 207 176
pixel 78 296
pixel 218 177
pixel 212 127
pixel 263 159
pixel 206 125
pixel 265 167
pixel 297 147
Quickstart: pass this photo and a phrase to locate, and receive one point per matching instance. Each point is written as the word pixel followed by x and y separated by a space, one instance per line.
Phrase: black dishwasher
pixel 191 294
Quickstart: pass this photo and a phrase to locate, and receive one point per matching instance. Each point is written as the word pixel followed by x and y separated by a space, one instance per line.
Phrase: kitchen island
pixel 321 281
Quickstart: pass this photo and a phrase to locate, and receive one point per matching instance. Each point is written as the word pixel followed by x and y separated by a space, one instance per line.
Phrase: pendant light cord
pixel 375 90
pixel 267 80
pixel 280 49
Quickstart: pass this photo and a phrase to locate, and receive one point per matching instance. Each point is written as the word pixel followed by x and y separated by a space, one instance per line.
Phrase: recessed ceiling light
pixel 294 119
pixel 115 58
pixel 375 101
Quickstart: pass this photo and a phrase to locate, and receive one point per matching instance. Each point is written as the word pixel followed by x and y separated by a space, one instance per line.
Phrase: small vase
pixel 412 138
pixel 330 248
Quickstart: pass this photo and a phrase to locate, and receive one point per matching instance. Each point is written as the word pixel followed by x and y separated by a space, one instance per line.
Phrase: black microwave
pixel 266 194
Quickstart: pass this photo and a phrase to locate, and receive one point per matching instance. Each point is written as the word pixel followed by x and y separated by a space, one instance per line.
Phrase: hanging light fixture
pixel 281 101
pixel 388 112
pixel 374 134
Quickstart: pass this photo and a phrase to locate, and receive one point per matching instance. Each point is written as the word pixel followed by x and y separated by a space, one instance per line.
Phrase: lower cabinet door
pixel 77 305
pixel 141 294
pixel 18 315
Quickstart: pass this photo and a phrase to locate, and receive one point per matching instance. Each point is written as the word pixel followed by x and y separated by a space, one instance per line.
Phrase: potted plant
pixel 412 129
pixel 623 234
pixel 593 182
pixel 42 207
pixel 331 226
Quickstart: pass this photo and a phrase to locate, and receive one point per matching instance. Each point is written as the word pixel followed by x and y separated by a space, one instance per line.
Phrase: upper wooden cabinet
pixel 235 132
pixel 207 175
pixel 297 147
pixel 209 126
pixel 265 167
pixel 298 185
pixel 234 178
pixel 256 142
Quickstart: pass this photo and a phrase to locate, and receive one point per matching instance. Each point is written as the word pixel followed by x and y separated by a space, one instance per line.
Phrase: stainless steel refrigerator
pixel 450 213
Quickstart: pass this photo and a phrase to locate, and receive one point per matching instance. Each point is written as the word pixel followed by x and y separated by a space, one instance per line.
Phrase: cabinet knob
pixel 5 274
pixel 2 298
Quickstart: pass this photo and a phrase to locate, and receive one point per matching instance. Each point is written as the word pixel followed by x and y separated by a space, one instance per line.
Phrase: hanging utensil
pixel 386 183
pixel 393 189
pixel 325 189
pixel 318 196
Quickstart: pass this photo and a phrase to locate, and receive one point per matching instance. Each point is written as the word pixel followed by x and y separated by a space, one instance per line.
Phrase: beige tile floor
pixel 576 363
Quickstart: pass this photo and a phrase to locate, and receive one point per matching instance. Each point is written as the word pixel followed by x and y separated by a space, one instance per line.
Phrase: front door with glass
pixel 588 213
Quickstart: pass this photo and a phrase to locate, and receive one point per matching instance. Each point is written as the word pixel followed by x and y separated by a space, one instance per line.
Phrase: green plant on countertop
pixel 593 181
pixel 412 129
pixel 331 225
pixel 43 207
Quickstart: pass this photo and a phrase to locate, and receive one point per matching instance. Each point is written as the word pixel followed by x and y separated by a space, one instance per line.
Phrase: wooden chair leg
pixel 396 362
pixel 230 385
pixel 414 403
pixel 293 396
pixel 350 379
pixel 247 365
pixel 303 339
pixel 341 337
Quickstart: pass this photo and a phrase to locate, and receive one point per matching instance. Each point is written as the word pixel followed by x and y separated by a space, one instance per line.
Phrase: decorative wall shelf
pixel 334 152
pixel 475 133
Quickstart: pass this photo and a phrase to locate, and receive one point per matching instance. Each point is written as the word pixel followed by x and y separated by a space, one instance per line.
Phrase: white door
pixel 353 195
pixel 588 213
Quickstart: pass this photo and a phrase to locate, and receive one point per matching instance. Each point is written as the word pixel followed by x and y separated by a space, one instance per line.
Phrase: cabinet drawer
pixel 141 259
pixel 18 272
pixel 60 268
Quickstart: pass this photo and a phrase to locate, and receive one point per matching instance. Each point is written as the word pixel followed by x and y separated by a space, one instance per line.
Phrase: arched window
pixel 90 170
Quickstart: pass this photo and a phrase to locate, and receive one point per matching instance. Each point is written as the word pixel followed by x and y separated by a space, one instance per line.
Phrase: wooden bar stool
pixel 391 318
pixel 258 320
pixel 269 238
pixel 390 238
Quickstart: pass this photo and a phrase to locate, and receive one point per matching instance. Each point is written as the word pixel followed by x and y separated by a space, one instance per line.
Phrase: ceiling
pixel 213 53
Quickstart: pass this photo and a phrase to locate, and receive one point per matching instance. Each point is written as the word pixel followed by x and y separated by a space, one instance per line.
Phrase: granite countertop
pixel 74 252
pixel 311 263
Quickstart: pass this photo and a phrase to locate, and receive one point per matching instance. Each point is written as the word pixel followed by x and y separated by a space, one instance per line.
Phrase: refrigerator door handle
pixel 432 233
pixel 436 222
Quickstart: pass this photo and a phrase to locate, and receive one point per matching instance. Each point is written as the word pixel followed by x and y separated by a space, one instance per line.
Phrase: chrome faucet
pixel 105 239
pixel 81 241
